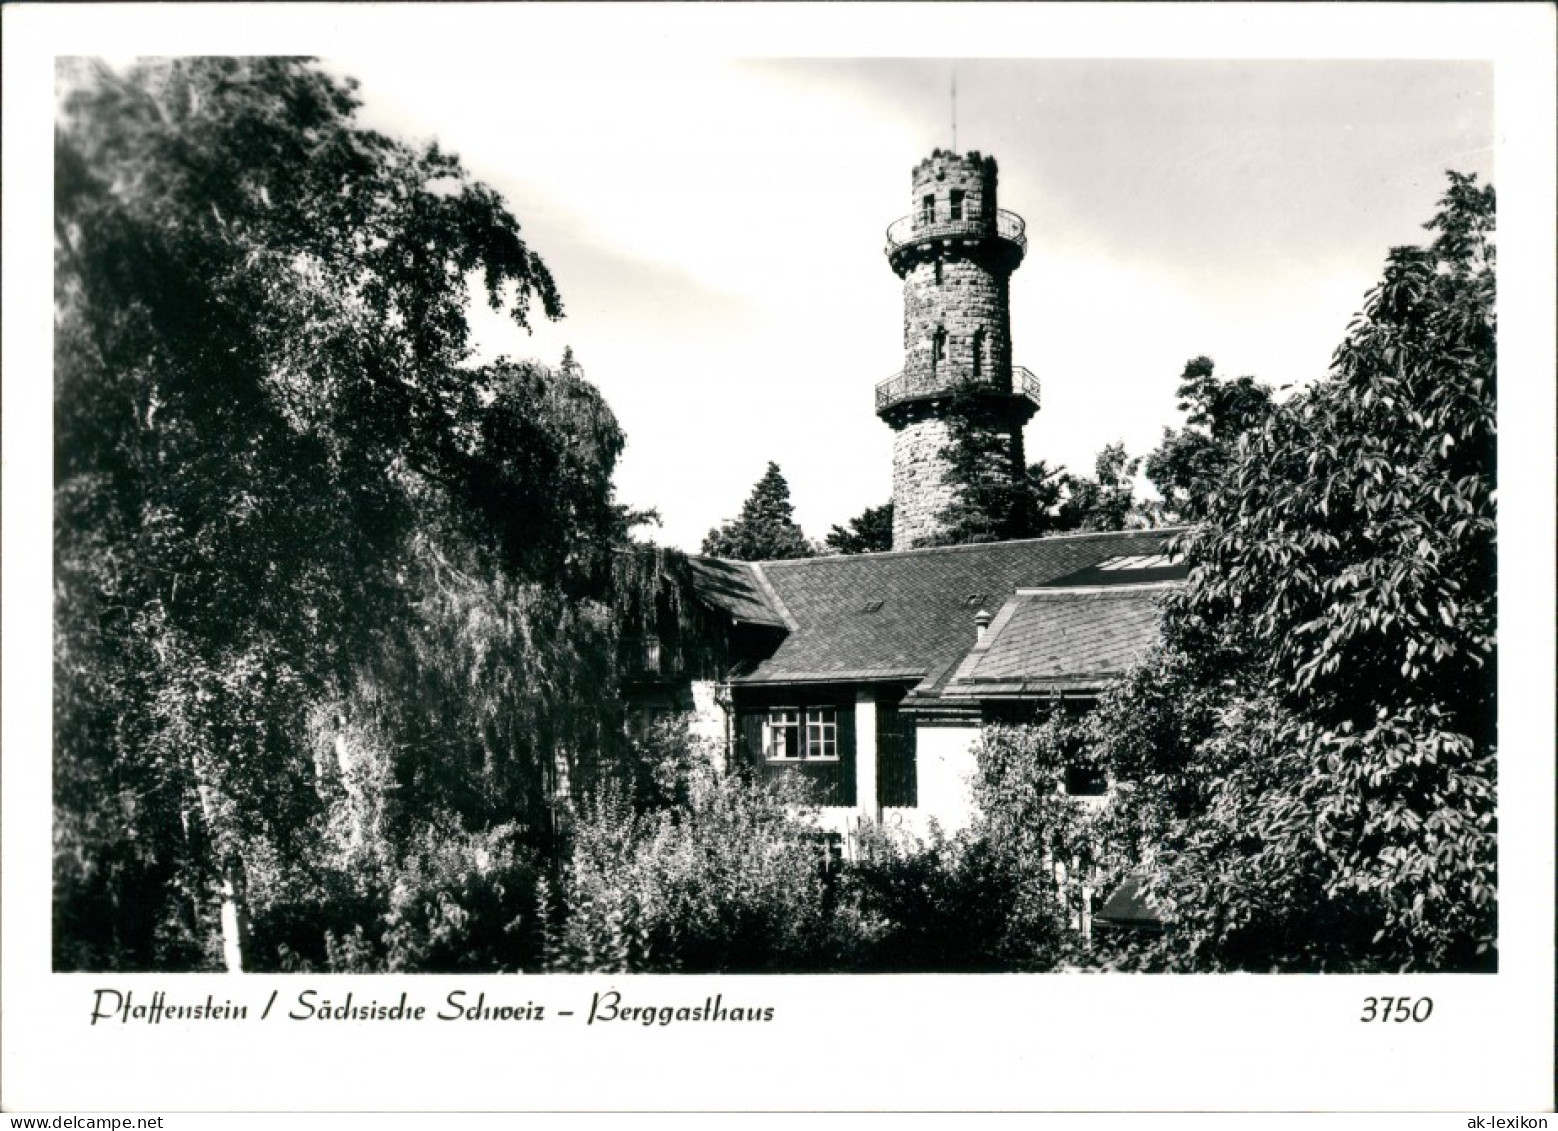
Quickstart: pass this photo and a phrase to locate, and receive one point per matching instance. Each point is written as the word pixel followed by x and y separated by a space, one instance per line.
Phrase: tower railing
pixel 919 226
pixel 902 387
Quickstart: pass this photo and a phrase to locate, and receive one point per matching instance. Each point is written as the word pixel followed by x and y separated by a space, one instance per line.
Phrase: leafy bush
pixel 455 900
pixel 942 906
pixel 728 879
pixel 1005 894
pixel 1050 842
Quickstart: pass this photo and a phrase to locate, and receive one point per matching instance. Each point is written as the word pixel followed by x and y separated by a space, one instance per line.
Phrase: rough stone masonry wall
pixel 974 176
pixel 922 488
pixel 961 289
pixel 970 298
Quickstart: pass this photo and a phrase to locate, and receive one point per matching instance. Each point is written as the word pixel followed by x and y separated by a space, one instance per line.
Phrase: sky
pixel 715 225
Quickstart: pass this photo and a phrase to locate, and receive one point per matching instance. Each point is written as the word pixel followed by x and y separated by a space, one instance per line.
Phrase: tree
pixel 1108 500
pixel 721 874
pixel 765 530
pixel 1046 489
pixel 869 532
pixel 295 527
pixel 993 501
pixel 1325 798
pixel 1191 464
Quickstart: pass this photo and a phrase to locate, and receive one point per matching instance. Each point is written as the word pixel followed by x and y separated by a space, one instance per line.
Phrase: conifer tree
pixel 766 529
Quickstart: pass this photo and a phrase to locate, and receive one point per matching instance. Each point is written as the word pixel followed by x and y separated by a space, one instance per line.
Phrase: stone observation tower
pixel 955 253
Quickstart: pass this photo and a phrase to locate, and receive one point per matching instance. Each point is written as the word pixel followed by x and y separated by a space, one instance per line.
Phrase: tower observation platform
pixel 922 232
pixel 901 389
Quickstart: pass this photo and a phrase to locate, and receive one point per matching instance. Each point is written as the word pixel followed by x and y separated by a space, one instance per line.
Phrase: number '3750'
pixel 1398 1009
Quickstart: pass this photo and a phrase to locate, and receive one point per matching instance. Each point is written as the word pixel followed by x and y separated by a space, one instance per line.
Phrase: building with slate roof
pixel 870 675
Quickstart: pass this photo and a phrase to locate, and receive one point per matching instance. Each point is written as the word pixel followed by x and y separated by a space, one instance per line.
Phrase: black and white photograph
pixel 735 535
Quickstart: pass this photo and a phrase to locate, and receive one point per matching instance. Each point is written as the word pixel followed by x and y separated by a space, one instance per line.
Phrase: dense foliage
pixel 1004 894
pixel 1107 500
pixel 1314 751
pixel 325 616
pixel 765 529
pixel 1191 465
pixel 711 872
pixel 993 501
pixel 869 532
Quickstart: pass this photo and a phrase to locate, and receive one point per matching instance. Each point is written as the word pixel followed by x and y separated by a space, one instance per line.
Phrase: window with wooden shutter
pixel 802 734
pixel 813 741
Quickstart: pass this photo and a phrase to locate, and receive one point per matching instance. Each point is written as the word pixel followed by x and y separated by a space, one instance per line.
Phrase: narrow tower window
pixel 927 209
pixel 957 204
pixel 938 272
pixel 938 347
pixel 979 349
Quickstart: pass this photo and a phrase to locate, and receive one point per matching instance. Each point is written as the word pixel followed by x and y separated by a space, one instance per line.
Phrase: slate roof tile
pixel 733 587
pixel 1074 638
pixel 925 623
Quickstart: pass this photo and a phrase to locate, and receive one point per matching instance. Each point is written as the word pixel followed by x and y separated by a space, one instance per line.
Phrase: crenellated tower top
pixel 954 198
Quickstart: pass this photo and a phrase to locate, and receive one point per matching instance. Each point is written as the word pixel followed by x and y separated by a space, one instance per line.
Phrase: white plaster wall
pixel 706 724
pixel 844 819
pixel 944 770
pixel 865 753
